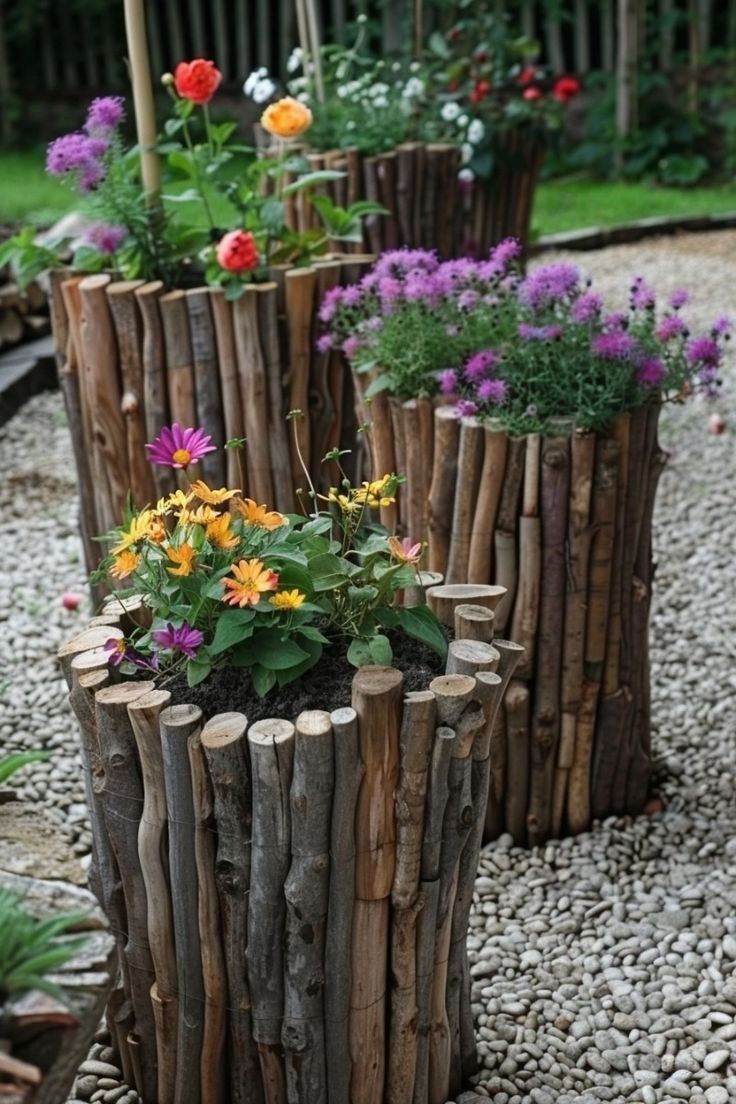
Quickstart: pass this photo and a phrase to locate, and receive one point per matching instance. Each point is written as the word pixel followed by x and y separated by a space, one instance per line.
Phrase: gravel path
pixel 605 966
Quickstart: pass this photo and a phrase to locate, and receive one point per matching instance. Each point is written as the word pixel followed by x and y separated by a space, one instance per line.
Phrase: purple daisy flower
pixel 105 237
pixel 176 447
pixel 447 380
pixel 616 345
pixel 179 638
pixel 650 372
pixel 505 252
pixel 330 303
pixel 492 390
pixel 105 113
pixel 351 295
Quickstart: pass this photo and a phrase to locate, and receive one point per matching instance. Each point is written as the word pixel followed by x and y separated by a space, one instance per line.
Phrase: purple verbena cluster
pixel 83 152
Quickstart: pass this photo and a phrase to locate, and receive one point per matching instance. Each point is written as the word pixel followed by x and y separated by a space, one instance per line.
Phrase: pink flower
pixel 350 347
pixel 178 448
pixel 404 551
pixel 324 343
pixel 237 251
pixel 492 390
pixel 70 600
pixel 447 380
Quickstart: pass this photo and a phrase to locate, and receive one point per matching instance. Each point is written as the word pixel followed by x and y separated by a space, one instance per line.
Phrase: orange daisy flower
pixel 203 515
pixel 184 557
pixel 252 579
pixel 219 534
pixel 125 564
pixel 207 494
pixel 254 514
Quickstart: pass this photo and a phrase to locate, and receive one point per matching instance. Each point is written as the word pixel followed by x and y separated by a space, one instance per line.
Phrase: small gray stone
pixel 716 1094
pixel 100 1069
pixel 715 1060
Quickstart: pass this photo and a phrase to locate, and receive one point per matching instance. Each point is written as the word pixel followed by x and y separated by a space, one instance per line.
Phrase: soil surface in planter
pixel 326 686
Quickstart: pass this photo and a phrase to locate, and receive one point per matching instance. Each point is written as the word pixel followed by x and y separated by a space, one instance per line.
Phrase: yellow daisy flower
pixel 137 531
pixel 177 500
pixel 184 557
pixel 215 498
pixel 253 514
pixel 125 564
pixel 219 534
pixel 203 515
pixel 377 493
pixel 287 599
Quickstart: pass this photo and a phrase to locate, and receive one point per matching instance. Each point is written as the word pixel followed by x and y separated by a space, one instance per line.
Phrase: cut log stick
pixel 526 604
pixel 387 173
pixel 415 741
pixel 207 382
pixel 453 694
pixel 372 225
pixel 466 657
pixel 122 801
pixel 253 396
pixel 545 731
pixel 396 413
pixel 480 565
pixel 516 704
pixel 505 557
pixel 226 750
pixel 271 744
pixel 144 714
pixel 307 891
pixel 227 364
pixel 613 721
pixel 620 433
pixel 402 1048
pixel 301 285
pixel 179 359
pixel 85 641
pixel 384 461
pixel 129 332
pixel 348 775
pixel 416 487
pixel 473 622
pixel 469 461
pixel 367 1025
pixel 578 791
pixel 442 487
pixel 444 600
pixel 268 328
pixel 406 189
pixel 153 356
pixel 177 723
pixel 636 481
pixel 102 397
pixel 214 977
pixel 417 595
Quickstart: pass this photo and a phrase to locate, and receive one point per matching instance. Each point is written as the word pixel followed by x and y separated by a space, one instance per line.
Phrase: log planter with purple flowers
pixel 290 884
pixel 525 419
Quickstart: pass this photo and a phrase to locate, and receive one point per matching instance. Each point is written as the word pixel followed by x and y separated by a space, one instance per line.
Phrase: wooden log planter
pixel 429 207
pixel 563 523
pixel 134 356
pixel 291 897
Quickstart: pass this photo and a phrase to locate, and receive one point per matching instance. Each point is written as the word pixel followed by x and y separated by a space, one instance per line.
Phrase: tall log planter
pixel 291 897
pixel 564 523
pixel 428 206
pixel 134 356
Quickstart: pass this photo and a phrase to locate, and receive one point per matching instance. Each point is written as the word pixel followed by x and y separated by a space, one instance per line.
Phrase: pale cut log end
pixel 313 722
pixel 224 729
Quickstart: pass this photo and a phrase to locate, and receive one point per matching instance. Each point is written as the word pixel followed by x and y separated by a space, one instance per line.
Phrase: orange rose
pixel 237 251
pixel 197 80
pixel 286 118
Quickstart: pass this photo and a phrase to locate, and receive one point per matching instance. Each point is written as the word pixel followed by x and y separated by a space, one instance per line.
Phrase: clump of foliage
pixel 30 949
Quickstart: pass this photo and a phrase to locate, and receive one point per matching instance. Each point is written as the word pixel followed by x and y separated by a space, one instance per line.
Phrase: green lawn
pixel 27 193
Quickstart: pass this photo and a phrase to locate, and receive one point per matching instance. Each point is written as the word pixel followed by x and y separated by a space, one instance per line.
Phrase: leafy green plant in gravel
pixel 9 764
pixel 30 949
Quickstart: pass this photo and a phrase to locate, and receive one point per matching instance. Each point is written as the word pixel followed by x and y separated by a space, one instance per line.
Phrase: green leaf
pixel 421 623
pixel 272 214
pixel 380 383
pixel 312 633
pixel 234 290
pixel 315 651
pixel 329 571
pixel 233 626
pixel 9 764
pixel 197 671
pixel 319 177
pixel 263 679
pixel 359 653
pixel 438 45
pixel 362 594
pixel 276 651
pixel 380 649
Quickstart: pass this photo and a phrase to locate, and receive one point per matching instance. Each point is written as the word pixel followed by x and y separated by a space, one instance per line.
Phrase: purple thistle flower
pixel 447 380
pixel 91 176
pixel 479 364
pixel 586 307
pixel 642 296
pixel 492 390
pixel 669 327
pixel 397 262
pixel 679 298
pixel 324 343
pixel 105 237
pixel 616 345
pixel 467 299
pixel 390 289
pixel 180 638
pixel 539 333
pixel 464 408
pixel 72 152
pixel 721 326
pixel 105 113
pixel 505 252
pixel 616 320
pixel 350 346
pixel 703 352
pixel 330 303
pixel 351 295
pixel 650 372
pixel 548 285
pixel 176 447
pixel 459 269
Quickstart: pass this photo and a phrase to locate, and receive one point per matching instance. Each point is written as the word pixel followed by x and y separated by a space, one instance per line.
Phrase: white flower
pixel 466 152
pixel 254 78
pixel 450 111
pixel 380 89
pixel 414 87
pixel 466 176
pixel 463 120
pixel 380 101
pixel 295 59
pixel 476 132
pixel 303 97
pixel 350 124
pixel 414 67
pixel 263 91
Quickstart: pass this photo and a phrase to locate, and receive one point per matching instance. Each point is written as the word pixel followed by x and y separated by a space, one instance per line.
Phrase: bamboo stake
pixel 442 487
pixel 177 723
pixel 473 623
pixel 271 744
pixel 554 493
pixel 122 303
pixel 145 113
pixel 307 891
pixel 301 287
pixel 444 600
pixel 226 751
pixel 268 328
pixel 348 775
pixel 495 444
pixel 179 360
pixel 469 462
pixel 153 355
pixel 254 395
pixel 516 705
pixel 206 381
pixel 122 800
pixel 144 714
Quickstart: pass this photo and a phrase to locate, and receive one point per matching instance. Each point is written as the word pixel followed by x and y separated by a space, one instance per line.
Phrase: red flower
pixel 532 94
pixel 481 90
pixel 197 80
pixel 527 75
pixel 566 89
pixel 237 251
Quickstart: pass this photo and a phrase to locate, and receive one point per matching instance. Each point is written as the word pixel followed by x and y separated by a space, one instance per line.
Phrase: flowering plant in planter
pixel 520 350
pixel 230 582
pixel 214 219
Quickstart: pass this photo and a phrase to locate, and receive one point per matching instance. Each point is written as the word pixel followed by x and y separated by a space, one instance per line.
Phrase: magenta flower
pixel 679 298
pixel 105 113
pixel 492 390
pixel 669 327
pixel 467 299
pixel 548 285
pixel 642 296
pixel 105 237
pixel 505 252
pixel 324 343
pixel 722 326
pixel 481 363
pixel 74 152
pixel 465 408
pixel 351 296
pixel 651 372
pixel 447 380
pixel 179 638
pixel 120 651
pixel 616 345
pixel 586 307
pixel 350 347
pixel 330 303
pixel 703 352
pixel 178 448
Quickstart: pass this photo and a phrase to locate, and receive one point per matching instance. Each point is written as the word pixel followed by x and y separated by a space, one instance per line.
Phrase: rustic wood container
pixel 564 523
pixel 291 897
pixel 134 356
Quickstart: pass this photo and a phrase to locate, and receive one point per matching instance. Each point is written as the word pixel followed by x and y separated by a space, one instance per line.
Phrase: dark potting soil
pixel 326 686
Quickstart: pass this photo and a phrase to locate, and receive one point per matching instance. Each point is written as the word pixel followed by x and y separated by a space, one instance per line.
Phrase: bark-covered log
pixel 469 462
pixel 480 558
pixel 442 487
pixel 473 622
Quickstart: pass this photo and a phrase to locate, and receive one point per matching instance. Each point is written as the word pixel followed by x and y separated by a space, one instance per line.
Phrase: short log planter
pixel 291 897
pixel 133 357
pixel 564 523
pixel 428 207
